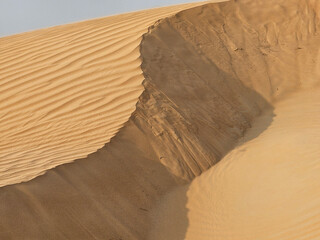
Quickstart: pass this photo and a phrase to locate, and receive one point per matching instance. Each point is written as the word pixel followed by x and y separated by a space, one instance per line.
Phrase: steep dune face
pixel 267 187
pixel 66 91
pixel 219 76
pixel 209 73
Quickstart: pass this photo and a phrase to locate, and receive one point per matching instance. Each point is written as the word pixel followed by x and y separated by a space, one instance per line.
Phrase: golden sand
pixel 208 125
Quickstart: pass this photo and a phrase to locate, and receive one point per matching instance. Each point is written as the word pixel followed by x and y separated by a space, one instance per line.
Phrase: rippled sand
pixel 66 91
pixel 206 119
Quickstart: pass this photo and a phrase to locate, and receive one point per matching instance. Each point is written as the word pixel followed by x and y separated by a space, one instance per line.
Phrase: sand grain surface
pixel 65 91
pixel 266 188
pixel 210 125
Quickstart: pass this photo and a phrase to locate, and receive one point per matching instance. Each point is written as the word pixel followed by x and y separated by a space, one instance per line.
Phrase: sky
pixel 17 16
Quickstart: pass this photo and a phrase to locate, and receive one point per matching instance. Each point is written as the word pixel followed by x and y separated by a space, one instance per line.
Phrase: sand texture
pixel 66 91
pixel 215 137
pixel 266 188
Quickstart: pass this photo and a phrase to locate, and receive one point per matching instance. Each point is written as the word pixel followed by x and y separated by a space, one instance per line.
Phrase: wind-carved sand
pixel 65 91
pixel 266 188
pixel 223 143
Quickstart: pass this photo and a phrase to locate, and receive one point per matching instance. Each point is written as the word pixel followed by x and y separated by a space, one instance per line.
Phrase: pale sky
pixel 18 16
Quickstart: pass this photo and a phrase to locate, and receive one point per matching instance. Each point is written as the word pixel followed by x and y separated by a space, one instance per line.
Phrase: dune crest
pixel 66 91
pixel 266 187
pixel 221 80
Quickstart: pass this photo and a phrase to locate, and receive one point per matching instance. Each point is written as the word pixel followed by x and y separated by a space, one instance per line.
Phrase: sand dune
pixel 65 91
pixel 221 144
pixel 266 188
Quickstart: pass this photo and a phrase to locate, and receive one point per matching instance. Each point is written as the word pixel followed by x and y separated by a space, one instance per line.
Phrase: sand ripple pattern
pixel 65 91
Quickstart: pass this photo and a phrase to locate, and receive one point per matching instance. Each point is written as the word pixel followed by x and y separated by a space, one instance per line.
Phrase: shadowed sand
pixel 67 90
pixel 236 81
pixel 266 188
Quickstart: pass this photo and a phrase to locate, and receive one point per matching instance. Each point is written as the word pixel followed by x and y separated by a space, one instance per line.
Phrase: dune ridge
pixel 209 85
pixel 67 90
pixel 238 73
pixel 267 186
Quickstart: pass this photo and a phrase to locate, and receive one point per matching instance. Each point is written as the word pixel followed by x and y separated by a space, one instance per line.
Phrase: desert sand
pixel 209 121
pixel 265 188
pixel 67 90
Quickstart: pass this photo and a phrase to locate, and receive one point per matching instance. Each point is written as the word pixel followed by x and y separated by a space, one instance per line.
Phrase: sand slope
pixel 65 91
pixel 210 72
pixel 266 188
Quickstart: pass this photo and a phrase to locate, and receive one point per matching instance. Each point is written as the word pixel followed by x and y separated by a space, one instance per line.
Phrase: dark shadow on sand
pixel 190 115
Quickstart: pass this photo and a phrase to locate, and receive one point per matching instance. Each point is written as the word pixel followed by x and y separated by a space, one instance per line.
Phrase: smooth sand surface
pixel 65 91
pixel 223 143
pixel 266 188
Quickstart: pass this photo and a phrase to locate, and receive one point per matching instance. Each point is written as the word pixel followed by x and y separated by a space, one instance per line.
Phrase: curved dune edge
pixel 267 187
pixel 66 91
pixel 193 111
